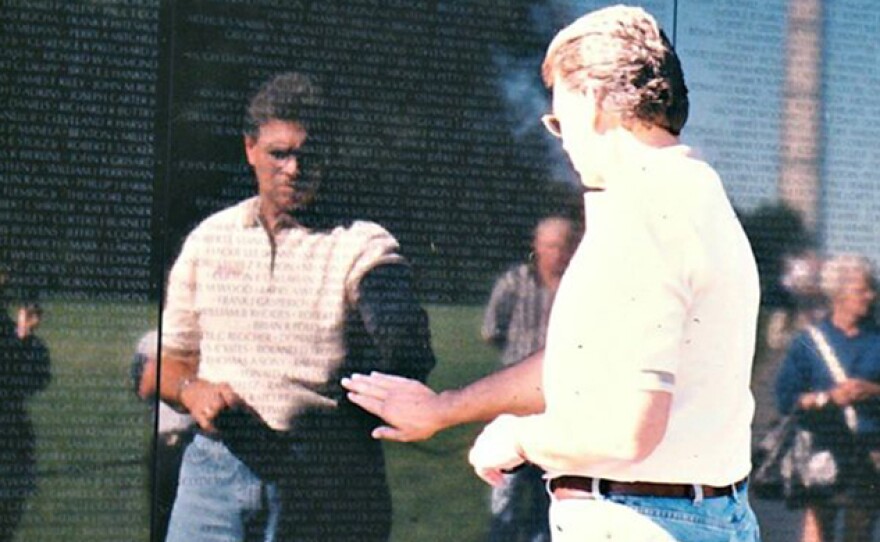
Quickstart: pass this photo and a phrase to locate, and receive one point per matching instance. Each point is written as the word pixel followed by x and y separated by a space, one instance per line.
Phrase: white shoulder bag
pixel 836 370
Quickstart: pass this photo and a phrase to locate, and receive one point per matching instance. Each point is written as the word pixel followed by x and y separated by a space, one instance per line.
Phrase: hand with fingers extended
pixel 205 400
pixel 411 410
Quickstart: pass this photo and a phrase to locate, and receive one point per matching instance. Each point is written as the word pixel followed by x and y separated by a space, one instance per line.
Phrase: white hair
pixel 552 223
pixel 840 270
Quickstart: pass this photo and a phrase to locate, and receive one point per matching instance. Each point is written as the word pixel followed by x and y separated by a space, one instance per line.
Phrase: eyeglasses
pixel 283 155
pixel 551 123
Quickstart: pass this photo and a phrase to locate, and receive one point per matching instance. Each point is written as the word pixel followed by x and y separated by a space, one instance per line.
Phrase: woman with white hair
pixel 805 383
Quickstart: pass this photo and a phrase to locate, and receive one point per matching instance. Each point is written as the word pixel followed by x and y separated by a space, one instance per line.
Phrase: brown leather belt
pixel 574 487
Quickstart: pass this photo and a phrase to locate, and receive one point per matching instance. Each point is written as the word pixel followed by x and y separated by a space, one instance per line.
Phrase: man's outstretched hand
pixel 411 410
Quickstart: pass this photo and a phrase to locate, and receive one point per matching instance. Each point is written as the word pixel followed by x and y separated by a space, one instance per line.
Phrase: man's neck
pixel 626 146
pixel 549 279
pixel 630 145
pixel 653 136
pixel 273 220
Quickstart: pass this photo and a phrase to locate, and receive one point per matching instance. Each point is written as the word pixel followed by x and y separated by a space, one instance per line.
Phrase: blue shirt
pixel 804 370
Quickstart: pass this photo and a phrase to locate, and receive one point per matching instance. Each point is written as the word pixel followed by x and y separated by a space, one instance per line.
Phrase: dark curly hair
pixel 291 97
pixel 295 97
pixel 627 59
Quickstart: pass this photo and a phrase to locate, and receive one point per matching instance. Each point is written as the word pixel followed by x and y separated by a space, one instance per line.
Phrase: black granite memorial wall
pixel 122 131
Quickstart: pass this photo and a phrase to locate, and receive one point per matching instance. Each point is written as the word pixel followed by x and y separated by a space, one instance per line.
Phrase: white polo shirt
pixel 273 330
pixel 663 284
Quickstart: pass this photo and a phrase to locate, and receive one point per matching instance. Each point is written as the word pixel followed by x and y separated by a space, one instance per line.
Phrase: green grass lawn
pixel 92 434
pixel 436 494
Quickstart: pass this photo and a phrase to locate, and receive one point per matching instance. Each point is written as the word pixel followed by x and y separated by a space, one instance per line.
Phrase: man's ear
pixel 250 144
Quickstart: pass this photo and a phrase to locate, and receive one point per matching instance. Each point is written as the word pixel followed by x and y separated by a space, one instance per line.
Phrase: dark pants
pixel 17 473
pixel 520 508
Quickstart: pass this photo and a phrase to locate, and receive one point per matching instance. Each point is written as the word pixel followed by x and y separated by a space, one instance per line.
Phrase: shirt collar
pixel 251 216
pixel 636 165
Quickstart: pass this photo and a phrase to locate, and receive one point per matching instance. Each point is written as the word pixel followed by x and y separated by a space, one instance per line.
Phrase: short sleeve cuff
pixel 378 248
pixel 649 380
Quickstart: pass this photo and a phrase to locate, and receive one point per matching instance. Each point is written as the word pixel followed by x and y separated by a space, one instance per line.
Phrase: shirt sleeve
pixel 396 322
pixel 637 292
pixel 496 320
pixel 375 246
pixel 180 319
pixel 794 376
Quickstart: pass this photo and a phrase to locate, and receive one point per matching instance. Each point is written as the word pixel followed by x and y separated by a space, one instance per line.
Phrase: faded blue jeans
pixel 623 518
pixel 219 499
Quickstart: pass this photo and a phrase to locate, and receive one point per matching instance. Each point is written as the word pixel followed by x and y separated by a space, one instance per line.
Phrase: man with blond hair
pixel 642 419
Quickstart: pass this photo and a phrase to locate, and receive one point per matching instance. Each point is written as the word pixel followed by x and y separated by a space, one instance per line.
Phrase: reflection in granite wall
pixel 851 111
pixel 733 54
pixel 120 131
pixel 121 125
pixel 124 123
pixel 424 146
pixel 78 157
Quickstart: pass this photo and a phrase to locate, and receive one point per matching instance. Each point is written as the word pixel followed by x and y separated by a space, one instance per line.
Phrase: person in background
pixel 805 383
pixel 25 369
pixel 173 432
pixel 800 282
pixel 515 321
pixel 516 316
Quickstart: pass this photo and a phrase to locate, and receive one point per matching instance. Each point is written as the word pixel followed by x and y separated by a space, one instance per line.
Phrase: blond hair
pixel 621 53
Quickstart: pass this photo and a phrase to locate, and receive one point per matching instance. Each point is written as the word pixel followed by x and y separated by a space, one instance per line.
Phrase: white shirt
pixel 662 294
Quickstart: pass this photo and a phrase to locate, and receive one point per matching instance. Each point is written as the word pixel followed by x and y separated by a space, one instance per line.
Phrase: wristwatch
pixel 182 385
pixel 822 399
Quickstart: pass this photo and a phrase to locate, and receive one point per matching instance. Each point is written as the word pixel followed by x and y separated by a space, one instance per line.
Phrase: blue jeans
pixel 654 519
pixel 327 487
pixel 219 499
